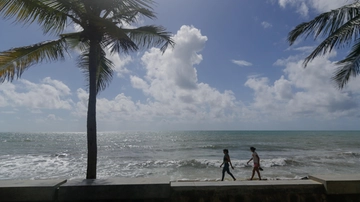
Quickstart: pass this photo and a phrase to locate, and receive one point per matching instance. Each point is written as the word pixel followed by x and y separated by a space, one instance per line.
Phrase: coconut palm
pixel 103 26
pixel 340 27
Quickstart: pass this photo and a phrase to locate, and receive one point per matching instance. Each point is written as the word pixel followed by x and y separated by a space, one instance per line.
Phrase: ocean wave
pixel 349 154
pixel 39 166
pixel 273 162
pixel 204 163
pixel 340 156
pixel 61 155
pixel 291 162
pixel 288 178
pixel 194 163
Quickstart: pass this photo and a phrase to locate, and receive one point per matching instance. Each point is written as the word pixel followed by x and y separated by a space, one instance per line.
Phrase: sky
pixel 231 69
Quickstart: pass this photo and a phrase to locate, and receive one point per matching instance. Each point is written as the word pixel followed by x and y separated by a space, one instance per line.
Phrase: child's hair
pixel 226 150
pixel 252 148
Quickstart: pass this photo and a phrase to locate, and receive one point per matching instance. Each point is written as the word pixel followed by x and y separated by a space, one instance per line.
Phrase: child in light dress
pixel 256 159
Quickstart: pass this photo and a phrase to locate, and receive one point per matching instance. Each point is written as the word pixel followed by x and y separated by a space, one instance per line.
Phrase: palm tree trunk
pixel 91 116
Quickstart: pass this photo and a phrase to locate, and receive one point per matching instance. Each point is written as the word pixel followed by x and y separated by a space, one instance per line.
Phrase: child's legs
pixel 223 174
pixel 228 171
pixel 258 172
pixel 256 168
pixel 225 169
pixel 253 173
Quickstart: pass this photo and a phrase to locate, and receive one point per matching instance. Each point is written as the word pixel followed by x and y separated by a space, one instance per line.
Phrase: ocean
pixel 180 155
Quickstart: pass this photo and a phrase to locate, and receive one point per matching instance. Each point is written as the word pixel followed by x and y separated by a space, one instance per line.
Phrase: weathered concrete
pixel 339 184
pixel 319 188
pixel 248 191
pixel 29 190
pixel 115 189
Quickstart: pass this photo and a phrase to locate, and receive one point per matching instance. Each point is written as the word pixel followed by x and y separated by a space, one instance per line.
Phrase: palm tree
pixel 341 27
pixel 103 24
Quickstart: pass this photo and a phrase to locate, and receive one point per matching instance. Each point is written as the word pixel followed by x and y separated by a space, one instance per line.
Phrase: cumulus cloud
pixel 303 9
pixel 305 92
pixel 303 6
pixel 173 83
pixel 48 94
pixel 119 63
pixel 327 5
pixel 53 117
pixel 174 96
pixel 175 68
pixel 170 84
pixel 241 62
pixel 138 83
pixel 169 95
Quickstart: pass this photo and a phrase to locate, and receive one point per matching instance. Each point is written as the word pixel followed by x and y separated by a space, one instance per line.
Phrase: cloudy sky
pixel 231 69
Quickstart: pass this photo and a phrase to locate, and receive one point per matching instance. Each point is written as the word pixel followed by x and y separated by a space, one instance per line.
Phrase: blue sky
pixel 231 69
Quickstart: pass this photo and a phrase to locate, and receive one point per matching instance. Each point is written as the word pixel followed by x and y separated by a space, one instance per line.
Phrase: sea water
pixel 180 155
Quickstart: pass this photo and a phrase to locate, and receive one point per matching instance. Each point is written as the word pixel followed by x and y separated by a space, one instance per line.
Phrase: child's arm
pixel 221 164
pixel 230 163
pixel 249 161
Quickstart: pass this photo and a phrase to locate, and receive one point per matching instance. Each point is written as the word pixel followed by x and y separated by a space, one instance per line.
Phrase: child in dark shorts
pixel 226 162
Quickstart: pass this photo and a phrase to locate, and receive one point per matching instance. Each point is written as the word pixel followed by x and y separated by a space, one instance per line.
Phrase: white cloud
pixel 284 3
pixel 138 83
pixel 303 9
pixel 81 105
pixel 175 98
pixel 175 66
pixel 305 92
pixel 119 63
pixel 48 94
pixel 174 95
pixel 306 49
pixel 327 5
pixel 266 25
pixel 241 62
pixel 53 117
pixel 303 6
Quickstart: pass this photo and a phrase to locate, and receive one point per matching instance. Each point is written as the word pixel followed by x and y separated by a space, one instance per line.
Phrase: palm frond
pixel 129 16
pixel 344 35
pixel 115 37
pixel 73 9
pixel 104 71
pixel 350 66
pixel 121 4
pixel 29 11
pixel 15 61
pixel 326 23
pixel 75 41
pixel 129 11
pixel 149 36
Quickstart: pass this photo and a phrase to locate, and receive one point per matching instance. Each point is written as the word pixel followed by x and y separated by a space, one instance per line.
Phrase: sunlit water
pixel 180 155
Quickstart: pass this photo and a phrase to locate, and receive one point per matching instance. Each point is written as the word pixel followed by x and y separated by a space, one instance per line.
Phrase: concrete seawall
pixel 319 188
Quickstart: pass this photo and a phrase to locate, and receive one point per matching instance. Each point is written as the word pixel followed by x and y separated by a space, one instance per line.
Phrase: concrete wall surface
pixel 29 190
pixel 116 189
pixel 319 188
pixel 339 184
pixel 248 191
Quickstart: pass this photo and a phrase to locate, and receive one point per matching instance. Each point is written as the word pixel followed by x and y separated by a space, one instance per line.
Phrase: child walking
pixel 226 162
pixel 256 159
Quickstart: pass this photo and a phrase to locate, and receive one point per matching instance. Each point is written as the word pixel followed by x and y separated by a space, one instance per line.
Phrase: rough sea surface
pixel 180 155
